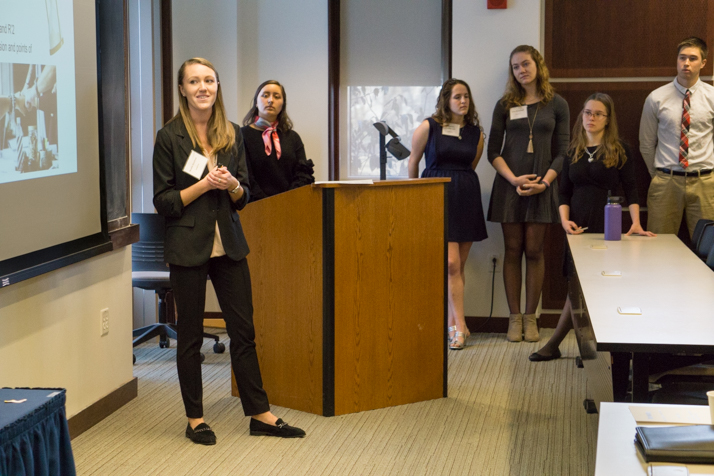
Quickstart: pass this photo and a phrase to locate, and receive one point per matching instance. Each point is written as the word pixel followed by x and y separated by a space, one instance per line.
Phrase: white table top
pixel 660 275
pixel 616 452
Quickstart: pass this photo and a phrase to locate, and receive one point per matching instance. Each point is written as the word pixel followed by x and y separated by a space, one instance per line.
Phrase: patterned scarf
pixel 268 130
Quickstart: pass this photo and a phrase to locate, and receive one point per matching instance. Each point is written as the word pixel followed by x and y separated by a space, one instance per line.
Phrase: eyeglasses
pixel 596 115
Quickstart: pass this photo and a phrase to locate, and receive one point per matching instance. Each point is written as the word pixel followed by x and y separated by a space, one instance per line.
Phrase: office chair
pixel 705 241
pixel 150 272
pixel 698 229
pixel 710 259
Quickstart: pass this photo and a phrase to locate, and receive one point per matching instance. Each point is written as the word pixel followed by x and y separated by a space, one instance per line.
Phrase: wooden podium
pixel 349 291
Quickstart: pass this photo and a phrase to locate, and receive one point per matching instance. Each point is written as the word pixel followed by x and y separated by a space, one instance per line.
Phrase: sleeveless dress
pixel 451 157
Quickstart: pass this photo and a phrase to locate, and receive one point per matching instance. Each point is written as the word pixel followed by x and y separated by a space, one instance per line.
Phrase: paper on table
pixel 612 273
pixel 668 469
pixel 598 247
pixel 629 310
pixel 691 415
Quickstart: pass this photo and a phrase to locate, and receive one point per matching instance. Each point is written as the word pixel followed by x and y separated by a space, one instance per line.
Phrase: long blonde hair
pixel 221 135
pixel 610 148
pixel 515 94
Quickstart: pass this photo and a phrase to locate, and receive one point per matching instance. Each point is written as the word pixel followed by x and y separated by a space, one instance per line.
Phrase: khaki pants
pixel 670 195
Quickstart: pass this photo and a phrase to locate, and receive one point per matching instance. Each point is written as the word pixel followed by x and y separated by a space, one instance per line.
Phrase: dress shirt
pixel 661 125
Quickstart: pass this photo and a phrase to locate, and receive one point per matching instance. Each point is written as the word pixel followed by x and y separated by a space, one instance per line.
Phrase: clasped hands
pixel 529 184
pixel 221 179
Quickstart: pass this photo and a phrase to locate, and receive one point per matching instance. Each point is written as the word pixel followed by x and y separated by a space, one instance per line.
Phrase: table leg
pixel 620 375
pixel 640 377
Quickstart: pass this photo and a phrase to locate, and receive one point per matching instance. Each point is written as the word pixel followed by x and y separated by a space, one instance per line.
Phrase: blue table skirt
pixel 34 437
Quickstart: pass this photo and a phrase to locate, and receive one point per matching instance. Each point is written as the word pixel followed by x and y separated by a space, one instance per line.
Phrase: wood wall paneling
pixel 634 38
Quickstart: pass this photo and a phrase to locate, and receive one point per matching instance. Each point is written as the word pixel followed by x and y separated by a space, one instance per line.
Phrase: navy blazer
pixel 190 229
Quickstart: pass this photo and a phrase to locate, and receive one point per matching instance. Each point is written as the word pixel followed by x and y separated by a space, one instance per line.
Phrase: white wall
pixel 51 330
pixel 208 30
pixel 482 41
pixel 250 42
pixel 286 40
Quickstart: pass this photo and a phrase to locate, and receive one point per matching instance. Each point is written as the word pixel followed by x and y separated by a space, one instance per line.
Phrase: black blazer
pixel 190 230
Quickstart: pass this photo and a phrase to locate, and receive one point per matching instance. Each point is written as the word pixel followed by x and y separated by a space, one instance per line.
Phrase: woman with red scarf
pixel 274 151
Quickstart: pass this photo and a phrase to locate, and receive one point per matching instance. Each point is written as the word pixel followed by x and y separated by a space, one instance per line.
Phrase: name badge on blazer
pixel 195 164
pixel 519 112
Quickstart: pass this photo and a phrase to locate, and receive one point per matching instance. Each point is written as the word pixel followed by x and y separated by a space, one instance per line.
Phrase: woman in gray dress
pixel 524 198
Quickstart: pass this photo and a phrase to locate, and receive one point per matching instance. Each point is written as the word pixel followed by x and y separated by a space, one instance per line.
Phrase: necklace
pixel 591 156
pixel 530 126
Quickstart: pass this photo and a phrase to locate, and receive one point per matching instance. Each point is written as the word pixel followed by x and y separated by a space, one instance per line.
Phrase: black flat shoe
pixel 536 357
pixel 202 434
pixel 281 429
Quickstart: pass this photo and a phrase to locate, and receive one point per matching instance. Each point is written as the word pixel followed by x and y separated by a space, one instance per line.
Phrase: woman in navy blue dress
pixel 453 142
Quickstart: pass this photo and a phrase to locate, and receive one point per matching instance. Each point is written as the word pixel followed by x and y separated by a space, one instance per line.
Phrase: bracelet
pixel 235 190
pixel 545 182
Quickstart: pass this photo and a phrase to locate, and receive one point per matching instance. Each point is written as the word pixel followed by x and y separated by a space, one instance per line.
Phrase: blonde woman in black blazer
pixel 204 238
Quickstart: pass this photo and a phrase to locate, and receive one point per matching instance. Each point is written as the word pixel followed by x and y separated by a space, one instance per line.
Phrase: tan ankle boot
pixel 515 328
pixel 530 326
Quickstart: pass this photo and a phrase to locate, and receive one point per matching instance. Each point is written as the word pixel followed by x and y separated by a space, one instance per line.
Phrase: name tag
pixel 195 164
pixel 519 112
pixel 452 130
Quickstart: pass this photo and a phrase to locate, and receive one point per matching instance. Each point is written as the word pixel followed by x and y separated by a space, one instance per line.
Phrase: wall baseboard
pixel 500 324
pixel 480 324
pixel 104 407
pixel 213 319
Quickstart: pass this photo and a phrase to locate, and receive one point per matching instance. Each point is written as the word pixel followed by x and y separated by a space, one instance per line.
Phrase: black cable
pixel 493 282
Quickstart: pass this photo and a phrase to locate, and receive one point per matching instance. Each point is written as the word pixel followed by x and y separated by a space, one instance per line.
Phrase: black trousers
pixel 231 280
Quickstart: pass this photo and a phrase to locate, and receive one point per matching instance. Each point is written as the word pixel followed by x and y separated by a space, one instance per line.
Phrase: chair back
pixel 698 229
pixel 705 242
pixel 710 259
pixel 148 253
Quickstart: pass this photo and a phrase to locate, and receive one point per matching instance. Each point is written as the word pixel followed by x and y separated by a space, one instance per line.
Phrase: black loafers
pixel 536 357
pixel 281 429
pixel 202 434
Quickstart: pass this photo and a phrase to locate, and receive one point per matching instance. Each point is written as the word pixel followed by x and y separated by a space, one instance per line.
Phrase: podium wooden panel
pixel 349 291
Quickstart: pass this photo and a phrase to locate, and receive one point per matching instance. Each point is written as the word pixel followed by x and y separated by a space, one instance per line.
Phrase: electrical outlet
pixel 499 263
pixel 104 321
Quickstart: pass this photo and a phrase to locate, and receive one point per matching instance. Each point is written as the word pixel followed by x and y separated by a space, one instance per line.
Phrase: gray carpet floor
pixel 504 416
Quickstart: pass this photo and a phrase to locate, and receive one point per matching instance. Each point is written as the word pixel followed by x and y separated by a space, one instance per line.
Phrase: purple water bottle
pixel 613 218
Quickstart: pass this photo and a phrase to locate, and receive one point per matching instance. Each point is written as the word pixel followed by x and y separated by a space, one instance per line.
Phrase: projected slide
pixel 38 132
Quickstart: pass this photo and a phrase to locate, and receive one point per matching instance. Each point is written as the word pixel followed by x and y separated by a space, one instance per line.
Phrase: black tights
pixel 520 239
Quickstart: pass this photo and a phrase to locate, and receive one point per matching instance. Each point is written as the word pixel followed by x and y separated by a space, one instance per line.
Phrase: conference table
pixel 659 276
pixel 616 453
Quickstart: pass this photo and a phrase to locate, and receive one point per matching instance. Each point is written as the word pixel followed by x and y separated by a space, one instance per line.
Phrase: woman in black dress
pixel 453 142
pixel 524 194
pixel 200 182
pixel 274 151
pixel 600 163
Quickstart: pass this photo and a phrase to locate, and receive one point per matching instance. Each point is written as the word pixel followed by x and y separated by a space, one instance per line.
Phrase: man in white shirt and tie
pixel 677 144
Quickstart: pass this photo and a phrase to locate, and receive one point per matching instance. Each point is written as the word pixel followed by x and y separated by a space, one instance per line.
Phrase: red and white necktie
pixel 684 136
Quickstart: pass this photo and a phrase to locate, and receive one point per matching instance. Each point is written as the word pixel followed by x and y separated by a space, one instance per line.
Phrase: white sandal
pixel 454 343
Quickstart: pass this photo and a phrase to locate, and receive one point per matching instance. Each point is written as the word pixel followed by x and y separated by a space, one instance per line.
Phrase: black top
pixel 270 175
pixel 550 121
pixel 190 229
pixel 451 153
pixel 584 186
